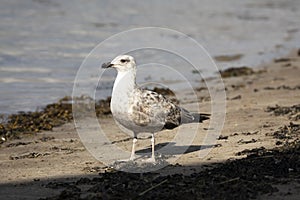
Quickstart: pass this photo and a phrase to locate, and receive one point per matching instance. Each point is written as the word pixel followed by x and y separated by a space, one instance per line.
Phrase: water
pixel 43 42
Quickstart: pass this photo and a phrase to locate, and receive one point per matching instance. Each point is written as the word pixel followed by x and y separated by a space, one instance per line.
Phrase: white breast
pixel 121 96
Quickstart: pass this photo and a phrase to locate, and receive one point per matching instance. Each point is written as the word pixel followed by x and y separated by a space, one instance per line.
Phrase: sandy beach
pixel 262 113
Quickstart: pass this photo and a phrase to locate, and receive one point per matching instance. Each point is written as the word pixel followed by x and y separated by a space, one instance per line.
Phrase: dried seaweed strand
pixel 230 180
pixel 151 188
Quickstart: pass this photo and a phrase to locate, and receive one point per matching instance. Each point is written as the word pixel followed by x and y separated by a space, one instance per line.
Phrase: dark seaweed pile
pixel 239 179
pixel 283 87
pixel 164 91
pixel 239 71
pixel 287 131
pixel 290 131
pixel 31 122
pixel 51 116
pixel 293 112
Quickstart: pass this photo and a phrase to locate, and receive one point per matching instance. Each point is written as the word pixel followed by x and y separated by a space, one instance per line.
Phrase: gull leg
pixel 132 157
pixel 152 159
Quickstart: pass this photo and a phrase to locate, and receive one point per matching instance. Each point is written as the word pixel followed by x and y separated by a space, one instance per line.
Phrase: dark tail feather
pixel 194 118
pixel 199 117
pixel 187 118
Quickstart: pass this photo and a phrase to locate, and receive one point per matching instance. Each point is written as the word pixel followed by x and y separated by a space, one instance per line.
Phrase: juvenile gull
pixel 141 110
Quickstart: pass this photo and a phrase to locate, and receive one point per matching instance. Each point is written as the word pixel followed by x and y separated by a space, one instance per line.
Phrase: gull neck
pixel 125 81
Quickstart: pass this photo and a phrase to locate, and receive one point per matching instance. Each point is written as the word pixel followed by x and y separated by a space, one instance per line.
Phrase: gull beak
pixel 107 65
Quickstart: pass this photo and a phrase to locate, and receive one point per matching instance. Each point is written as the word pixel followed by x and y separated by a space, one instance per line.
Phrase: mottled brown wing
pixel 152 108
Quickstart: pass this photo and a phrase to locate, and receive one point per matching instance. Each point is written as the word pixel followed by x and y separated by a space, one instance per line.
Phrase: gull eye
pixel 123 60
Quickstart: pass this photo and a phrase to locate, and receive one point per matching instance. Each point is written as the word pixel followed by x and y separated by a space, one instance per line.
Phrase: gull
pixel 141 110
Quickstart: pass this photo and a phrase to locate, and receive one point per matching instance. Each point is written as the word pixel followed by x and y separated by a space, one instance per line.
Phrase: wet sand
pixel 259 117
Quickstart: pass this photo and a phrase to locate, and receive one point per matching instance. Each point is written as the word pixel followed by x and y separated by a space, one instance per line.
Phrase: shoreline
pixel 219 59
pixel 260 113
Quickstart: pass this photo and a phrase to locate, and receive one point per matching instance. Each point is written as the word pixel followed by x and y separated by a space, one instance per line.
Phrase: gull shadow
pixel 169 148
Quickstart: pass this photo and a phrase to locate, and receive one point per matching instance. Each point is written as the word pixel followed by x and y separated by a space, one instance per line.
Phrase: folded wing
pixel 152 109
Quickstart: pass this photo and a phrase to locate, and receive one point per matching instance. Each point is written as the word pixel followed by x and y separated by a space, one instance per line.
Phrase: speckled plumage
pixel 149 107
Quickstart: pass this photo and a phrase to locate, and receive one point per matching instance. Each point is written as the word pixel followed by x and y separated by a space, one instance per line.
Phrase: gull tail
pixel 185 117
pixel 199 117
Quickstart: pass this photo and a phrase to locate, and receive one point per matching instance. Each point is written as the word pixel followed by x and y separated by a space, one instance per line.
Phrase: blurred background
pixel 43 42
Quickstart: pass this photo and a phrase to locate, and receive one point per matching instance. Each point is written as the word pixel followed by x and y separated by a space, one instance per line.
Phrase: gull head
pixel 121 63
